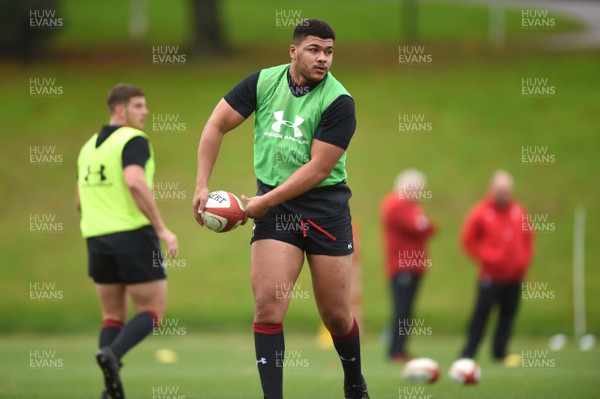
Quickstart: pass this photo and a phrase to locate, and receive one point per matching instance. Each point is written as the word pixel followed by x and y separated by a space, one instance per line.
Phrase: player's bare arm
pixel 324 157
pixel 223 119
pixel 138 187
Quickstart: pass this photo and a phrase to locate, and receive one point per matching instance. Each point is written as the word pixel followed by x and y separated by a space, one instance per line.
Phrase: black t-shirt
pixel 336 127
pixel 135 152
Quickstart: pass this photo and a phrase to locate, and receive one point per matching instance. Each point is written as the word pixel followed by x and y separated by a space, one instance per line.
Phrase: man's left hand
pixel 256 207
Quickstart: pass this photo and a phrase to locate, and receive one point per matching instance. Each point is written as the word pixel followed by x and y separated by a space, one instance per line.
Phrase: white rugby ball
pixel 422 370
pixel 223 211
pixel 465 371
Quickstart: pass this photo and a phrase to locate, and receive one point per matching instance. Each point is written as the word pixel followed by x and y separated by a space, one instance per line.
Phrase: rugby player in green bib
pixel 122 227
pixel 304 120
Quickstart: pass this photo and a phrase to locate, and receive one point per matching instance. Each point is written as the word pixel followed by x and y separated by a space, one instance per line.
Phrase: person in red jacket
pixel 406 230
pixel 493 235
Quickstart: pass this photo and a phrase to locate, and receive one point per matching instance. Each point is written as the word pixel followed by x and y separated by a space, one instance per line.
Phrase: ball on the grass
pixel 587 342
pixel 558 342
pixel 422 370
pixel 465 371
pixel 165 356
pixel 223 212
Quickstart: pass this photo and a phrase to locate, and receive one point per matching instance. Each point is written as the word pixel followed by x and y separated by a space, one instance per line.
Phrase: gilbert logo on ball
pixel 223 212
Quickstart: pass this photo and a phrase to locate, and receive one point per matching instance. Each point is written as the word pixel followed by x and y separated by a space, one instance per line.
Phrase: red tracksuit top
pixel 406 230
pixel 497 239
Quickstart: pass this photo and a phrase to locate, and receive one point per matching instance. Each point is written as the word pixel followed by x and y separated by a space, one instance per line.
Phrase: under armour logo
pixel 279 121
pixel 262 360
pixel 352 359
pixel 350 246
pixel 99 172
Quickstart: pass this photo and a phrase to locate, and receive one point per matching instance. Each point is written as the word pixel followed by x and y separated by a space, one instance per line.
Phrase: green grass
pixel 217 365
pixel 480 121
pixel 471 97
pixel 470 94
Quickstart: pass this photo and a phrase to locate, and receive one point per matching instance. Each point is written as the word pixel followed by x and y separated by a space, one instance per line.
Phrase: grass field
pixel 480 121
pixel 470 95
pixel 215 366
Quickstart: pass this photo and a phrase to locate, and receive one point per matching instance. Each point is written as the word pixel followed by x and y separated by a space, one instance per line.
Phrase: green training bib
pixel 284 126
pixel 106 203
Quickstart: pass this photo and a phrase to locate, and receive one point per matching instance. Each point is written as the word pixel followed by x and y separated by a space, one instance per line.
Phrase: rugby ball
pixel 465 372
pixel 223 212
pixel 421 371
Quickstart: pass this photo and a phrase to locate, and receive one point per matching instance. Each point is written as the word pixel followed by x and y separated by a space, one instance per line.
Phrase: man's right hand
pixel 170 240
pixel 200 198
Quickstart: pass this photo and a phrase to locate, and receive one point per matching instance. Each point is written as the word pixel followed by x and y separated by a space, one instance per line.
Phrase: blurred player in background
pixel 304 120
pixel 406 231
pixel 122 226
pixel 493 235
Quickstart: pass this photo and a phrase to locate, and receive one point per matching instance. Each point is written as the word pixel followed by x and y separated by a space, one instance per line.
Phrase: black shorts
pixel 126 257
pixel 316 236
pixel 126 268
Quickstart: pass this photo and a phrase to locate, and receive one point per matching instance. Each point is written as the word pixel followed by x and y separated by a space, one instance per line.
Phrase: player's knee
pixel 267 312
pixel 337 322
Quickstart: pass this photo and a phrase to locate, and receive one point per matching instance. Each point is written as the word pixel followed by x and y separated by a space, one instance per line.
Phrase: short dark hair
pixel 312 27
pixel 121 94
